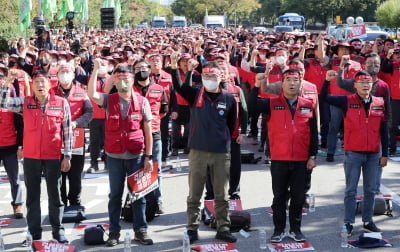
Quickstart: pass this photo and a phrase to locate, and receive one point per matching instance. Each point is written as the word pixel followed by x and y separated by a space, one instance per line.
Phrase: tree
pixel 388 14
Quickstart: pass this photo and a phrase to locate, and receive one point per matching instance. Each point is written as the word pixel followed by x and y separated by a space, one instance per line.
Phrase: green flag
pixel 66 5
pixel 117 10
pixel 49 7
pixel 81 7
pixel 25 9
pixel 108 4
pixel 206 12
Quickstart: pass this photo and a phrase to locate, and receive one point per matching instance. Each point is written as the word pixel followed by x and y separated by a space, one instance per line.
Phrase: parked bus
pixel 293 19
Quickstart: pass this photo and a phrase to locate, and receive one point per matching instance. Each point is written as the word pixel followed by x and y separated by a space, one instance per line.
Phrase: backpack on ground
pixel 383 206
pixel 151 207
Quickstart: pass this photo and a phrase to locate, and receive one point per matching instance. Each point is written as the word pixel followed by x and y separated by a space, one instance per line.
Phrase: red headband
pixel 40 75
pixel 363 77
pixel 295 74
pixel 123 74
pixel 211 70
pixel 298 65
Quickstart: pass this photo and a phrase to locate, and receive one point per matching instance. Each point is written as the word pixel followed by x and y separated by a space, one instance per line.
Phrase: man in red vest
pixel 46 116
pixel 81 114
pixel 128 145
pixel 365 131
pixel 293 135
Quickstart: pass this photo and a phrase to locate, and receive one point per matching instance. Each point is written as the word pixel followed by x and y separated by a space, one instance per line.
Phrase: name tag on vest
pixel 377 108
pixel 78 95
pixel 31 106
pixel 305 110
pixel 54 107
pixel 221 106
pixel 155 91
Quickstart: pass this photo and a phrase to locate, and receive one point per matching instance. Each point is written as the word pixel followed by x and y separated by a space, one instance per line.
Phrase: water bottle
pixel 2 249
pixel 311 207
pixel 185 242
pixel 28 240
pixel 178 164
pixel 343 236
pixel 263 238
pixel 127 242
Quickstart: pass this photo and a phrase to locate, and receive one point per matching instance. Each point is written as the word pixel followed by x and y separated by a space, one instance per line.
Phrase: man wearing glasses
pixel 212 122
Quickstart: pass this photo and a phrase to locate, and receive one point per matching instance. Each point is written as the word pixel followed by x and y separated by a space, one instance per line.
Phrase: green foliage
pixel 388 14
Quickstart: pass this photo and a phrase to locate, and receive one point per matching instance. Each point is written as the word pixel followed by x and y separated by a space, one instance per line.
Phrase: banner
pixel 49 7
pixel 25 9
pixel 66 6
pixel 44 246
pixel 214 247
pixel 357 31
pixel 291 246
pixel 141 183
pixel 5 222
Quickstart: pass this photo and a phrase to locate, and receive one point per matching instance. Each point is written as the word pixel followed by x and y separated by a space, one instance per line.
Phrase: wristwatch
pixel 148 156
pixel 313 157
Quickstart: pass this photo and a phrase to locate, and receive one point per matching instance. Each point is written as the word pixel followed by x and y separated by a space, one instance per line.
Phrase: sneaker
pixel 175 152
pixel 143 238
pixel 160 209
pixel 261 148
pixel 113 239
pixel 193 235
pixel 277 237
pixel 371 227
pixel 18 212
pixel 329 158
pixel 92 169
pixel 235 196
pixel 267 160
pixel 297 236
pixel 225 236
pixel 349 229
pixel 61 239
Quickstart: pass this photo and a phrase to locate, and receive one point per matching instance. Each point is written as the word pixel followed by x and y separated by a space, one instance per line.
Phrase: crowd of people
pixel 213 84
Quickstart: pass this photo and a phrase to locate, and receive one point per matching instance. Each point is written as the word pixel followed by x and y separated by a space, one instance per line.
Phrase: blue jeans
pixel 354 163
pixel 334 127
pixel 157 151
pixel 118 170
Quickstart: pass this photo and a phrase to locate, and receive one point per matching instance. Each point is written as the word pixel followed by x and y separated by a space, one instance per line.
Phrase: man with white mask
pixel 81 115
pixel 212 122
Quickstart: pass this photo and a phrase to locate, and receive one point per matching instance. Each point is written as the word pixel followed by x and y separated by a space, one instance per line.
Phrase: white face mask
pixel 102 70
pixel 65 78
pixel 210 85
pixel 62 61
pixel 262 56
pixel 280 60
pixel 110 68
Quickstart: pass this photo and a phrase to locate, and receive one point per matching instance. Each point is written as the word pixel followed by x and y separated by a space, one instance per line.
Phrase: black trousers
pixel 165 136
pixel 288 180
pixel 74 176
pixel 96 127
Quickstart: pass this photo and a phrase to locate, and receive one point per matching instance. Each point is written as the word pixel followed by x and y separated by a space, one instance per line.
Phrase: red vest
pixel 8 135
pixel 21 82
pixel 99 113
pixel 76 100
pixel 275 75
pixel 310 92
pixel 361 133
pixel 43 131
pixel 394 82
pixel 164 80
pixel 289 137
pixel 315 73
pixel 179 99
pixel 349 73
pixel 154 96
pixel 235 91
pixel 123 135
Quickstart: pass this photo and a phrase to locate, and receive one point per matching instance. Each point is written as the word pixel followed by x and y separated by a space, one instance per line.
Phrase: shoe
pixel 186 150
pixel 349 229
pixel 371 227
pixel 193 236
pixel 261 148
pixel 392 153
pixel 23 244
pixel 225 236
pixel 160 209
pixel 92 169
pixel 113 239
pixel 143 238
pixel 267 160
pixel 297 236
pixel 277 237
pixel 234 196
pixel 329 158
pixel 18 212
pixel 61 239
pixel 175 152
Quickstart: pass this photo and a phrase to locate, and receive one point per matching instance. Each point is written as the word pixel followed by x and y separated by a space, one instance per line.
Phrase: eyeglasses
pixel 209 76
pixel 141 68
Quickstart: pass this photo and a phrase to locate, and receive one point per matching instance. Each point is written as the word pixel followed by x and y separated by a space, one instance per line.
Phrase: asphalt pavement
pixel 322 228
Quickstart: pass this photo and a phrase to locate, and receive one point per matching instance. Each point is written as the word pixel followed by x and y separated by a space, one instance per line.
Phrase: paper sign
pixel 357 31
pixel 44 246
pixel 233 205
pixel 141 183
pixel 3 178
pixel 214 247
pixel 5 222
pixel 291 246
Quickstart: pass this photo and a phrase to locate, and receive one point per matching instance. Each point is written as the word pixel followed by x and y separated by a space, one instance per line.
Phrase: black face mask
pixel 223 84
pixel 44 62
pixel 357 51
pixel 311 55
pixel 142 75
pixel 11 63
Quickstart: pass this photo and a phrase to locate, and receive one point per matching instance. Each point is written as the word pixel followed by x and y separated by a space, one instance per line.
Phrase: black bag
pixel 94 235
pixel 151 207
pixel 247 157
pixel 239 220
pixel 382 206
pixel 74 214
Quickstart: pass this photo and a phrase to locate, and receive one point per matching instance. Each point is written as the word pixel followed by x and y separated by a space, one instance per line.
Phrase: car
pixel 372 35
pixel 141 26
pixel 283 28
pixel 196 26
pixel 258 29
pixel 374 28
